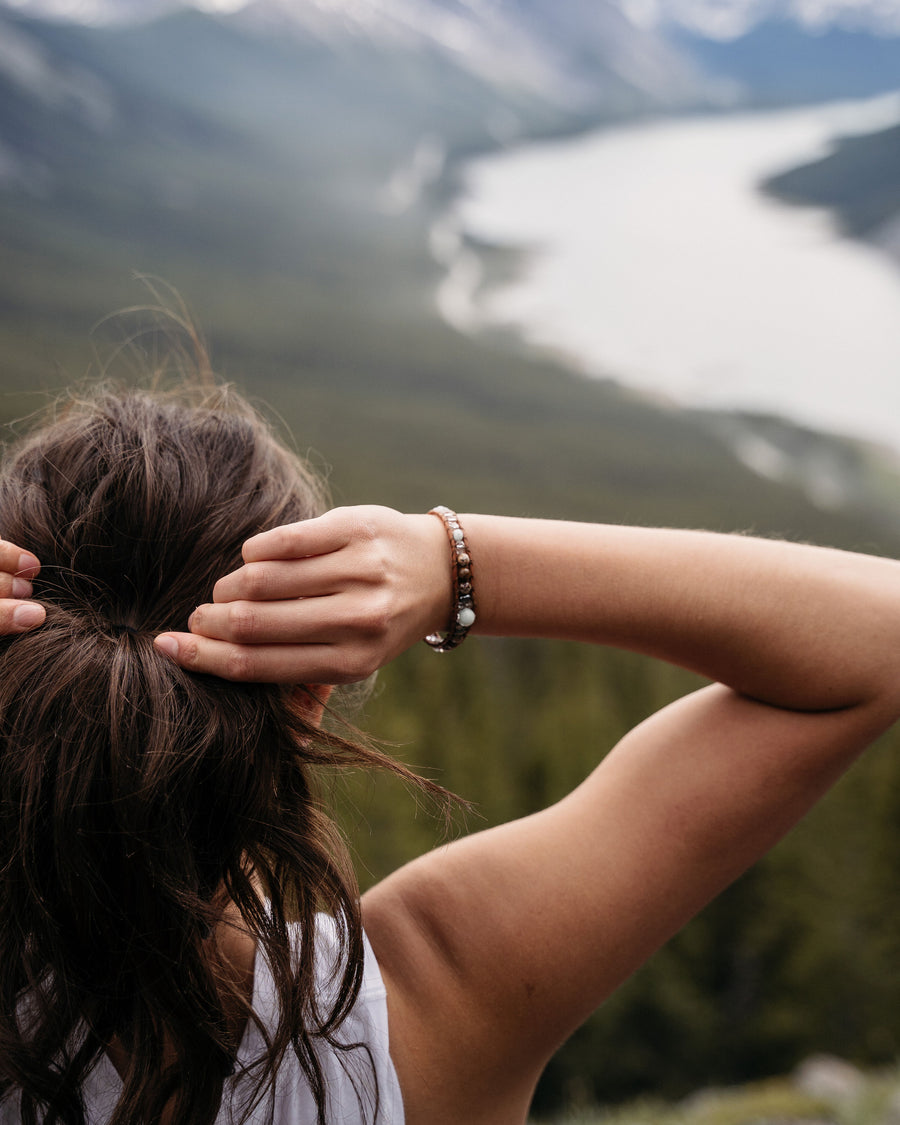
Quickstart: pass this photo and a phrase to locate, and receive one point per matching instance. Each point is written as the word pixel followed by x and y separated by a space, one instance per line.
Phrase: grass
pixel 778 1101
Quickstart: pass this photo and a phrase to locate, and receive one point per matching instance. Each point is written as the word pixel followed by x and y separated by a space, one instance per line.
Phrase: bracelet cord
pixel 462 616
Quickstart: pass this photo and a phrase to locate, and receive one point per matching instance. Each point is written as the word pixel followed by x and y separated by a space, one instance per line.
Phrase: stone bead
pixel 462 559
pixel 464 573
pixel 466 617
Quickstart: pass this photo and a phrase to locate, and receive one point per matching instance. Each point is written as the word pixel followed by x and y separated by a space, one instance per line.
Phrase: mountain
pixel 156 122
pixel 732 19
pixel 778 62
pixel 286 179
pixel 289 125
pixel 724 19
pixel 613 57
pixel 584 53
pixel 293 153
pixel 859 180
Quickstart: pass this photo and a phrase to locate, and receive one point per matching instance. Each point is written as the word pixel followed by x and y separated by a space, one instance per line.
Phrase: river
pixel 654 259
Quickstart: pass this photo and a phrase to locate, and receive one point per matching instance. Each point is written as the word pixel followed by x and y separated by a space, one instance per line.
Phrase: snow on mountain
pixel 580 53
pixel 112 11
pixel 30 73
pixel 25 64
pixel 621 56
pixel 721 19
pixel 90 11
pixel 481 39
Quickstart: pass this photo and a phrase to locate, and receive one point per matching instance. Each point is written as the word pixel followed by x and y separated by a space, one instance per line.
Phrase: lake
pixel 654 259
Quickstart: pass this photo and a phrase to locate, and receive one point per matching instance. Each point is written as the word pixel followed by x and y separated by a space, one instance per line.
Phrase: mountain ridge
pixel 777 63
pixel 723 20
pixel 575 57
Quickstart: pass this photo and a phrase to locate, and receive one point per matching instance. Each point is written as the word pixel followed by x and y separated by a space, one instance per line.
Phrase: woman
pixel 490 950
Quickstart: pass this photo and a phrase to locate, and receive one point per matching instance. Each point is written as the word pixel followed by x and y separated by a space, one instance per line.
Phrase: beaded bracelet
pixel 462 616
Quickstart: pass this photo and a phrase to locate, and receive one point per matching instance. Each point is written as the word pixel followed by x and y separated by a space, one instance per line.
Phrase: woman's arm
pixel 334 598
pixel 796 626
pixel 497 946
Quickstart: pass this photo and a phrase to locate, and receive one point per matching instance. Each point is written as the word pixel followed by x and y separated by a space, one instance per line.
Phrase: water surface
pixel 656 260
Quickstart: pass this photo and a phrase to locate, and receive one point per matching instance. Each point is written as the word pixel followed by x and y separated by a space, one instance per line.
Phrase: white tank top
pixel 351 1078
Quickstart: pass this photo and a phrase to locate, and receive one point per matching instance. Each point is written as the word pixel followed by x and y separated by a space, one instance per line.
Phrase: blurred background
pixel 619 260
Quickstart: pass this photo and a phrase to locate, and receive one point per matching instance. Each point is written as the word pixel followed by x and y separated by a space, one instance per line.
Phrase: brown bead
pixel 462 559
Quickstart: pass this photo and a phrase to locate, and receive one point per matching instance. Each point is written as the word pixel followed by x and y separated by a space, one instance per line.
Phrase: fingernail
pixel 27 562
pixel 21 588
pixel 27 616
pixel 168 645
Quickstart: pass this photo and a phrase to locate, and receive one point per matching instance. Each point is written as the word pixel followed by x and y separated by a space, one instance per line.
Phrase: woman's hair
pixel 137 799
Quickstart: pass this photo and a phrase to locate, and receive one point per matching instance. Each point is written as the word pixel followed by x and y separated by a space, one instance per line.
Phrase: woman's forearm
pixel 333 598
pixel 796 626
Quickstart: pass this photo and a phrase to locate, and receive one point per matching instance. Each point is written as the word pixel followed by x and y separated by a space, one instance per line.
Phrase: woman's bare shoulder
pixel 496 947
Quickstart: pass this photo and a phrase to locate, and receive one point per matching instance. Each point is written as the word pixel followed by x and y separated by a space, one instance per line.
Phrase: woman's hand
pixel 17 568
pixel 328 600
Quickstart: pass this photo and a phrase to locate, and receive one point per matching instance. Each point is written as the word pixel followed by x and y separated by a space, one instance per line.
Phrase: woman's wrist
pixel 524 573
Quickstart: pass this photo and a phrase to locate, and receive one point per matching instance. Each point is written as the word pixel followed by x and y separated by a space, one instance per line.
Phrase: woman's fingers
pixel 276 580
pixel 19 617
pixel 327 600
pixel 12 586
pixel 17 568
pixel 304 621
pixel 16 561
pixel 17 564
pixel 315 557
pixel 271 664
pixel 319 536
pixel 317 640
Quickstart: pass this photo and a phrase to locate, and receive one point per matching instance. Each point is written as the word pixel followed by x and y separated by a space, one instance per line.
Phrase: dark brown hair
pixel 135 798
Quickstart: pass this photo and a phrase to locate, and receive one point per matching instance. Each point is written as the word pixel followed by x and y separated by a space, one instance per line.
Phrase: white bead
pixel 466 617
pixel 458 535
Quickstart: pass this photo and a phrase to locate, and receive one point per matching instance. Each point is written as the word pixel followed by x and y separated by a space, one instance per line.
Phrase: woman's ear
pixel 311 699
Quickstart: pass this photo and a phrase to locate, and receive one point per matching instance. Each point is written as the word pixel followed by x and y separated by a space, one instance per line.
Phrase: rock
pixel 829 1078
pixel 892 1110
